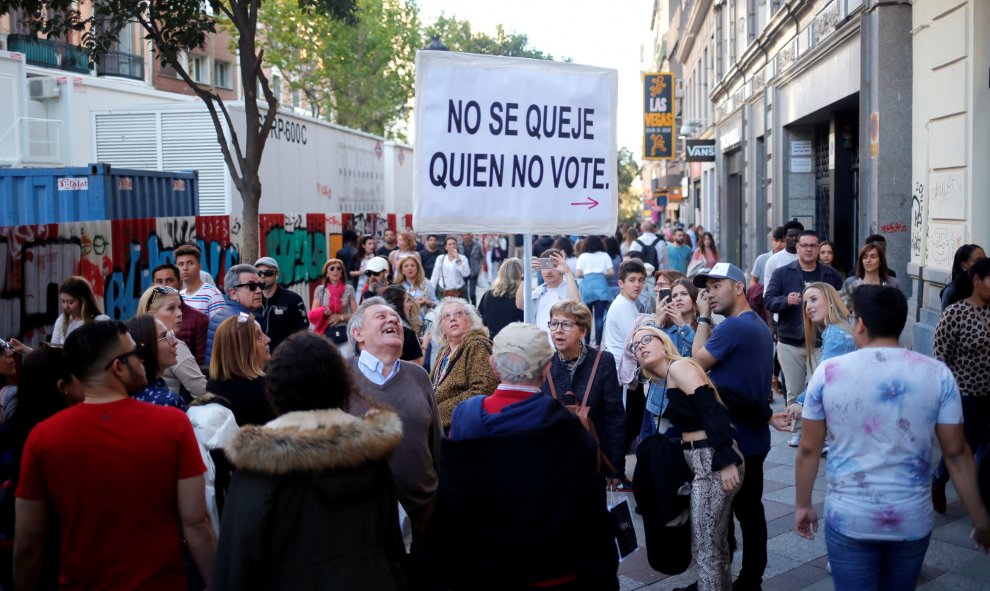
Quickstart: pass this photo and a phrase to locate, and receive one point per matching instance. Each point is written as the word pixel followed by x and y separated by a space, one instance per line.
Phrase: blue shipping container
pixel 79 194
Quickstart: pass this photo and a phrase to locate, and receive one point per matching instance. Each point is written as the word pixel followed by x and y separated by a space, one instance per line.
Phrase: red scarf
pixel 335 296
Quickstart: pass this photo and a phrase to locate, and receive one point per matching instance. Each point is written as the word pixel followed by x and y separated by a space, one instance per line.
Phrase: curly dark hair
pixel 307 373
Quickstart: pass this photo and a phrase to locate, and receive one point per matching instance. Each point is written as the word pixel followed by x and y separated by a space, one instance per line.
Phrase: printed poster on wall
pixel 658 116
pixel 514 145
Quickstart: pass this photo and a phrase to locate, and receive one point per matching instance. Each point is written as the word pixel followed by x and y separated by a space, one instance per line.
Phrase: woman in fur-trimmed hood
pixel 311 504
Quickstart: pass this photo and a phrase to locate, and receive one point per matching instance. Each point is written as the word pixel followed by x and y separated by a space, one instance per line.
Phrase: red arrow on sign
pixel 590 202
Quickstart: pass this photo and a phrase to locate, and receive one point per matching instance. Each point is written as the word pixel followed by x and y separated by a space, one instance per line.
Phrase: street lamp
pixel 436 45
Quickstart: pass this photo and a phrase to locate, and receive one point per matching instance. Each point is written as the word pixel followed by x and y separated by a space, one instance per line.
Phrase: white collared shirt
pixel 372 368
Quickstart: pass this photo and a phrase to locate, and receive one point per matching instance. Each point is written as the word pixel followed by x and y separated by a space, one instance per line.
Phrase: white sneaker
pixel 795 441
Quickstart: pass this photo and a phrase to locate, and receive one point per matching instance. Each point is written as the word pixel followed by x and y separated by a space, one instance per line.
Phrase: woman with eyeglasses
pixel 579 371
pixel 157 348
pixel 185 377
pixel 240 352
pixel 700 423
pixel 333 305
pixel 79 306
pixel 462 369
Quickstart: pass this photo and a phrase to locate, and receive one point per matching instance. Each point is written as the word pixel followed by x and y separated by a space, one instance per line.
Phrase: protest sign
pixel 514 145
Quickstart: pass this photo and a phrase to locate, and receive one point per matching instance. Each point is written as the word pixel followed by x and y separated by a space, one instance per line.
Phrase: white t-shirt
pixel 776 261
pixel 544 297
pixel 618 323
pixel 594 262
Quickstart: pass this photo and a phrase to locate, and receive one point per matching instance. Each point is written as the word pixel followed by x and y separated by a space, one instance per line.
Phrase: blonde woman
pixel 79 306
pixel 410 276
pixel 407 248
pixel 165 304
pixel 824 314
pixel 240 352
pixel 498 304
pixel 695 410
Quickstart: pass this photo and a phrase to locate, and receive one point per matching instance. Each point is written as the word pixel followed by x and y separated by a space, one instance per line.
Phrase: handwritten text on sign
pixel 495 154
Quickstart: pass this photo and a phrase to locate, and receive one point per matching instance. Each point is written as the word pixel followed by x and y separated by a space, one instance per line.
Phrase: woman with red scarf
pixel 333 305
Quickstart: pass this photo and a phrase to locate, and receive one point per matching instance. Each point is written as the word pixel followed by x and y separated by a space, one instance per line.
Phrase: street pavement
pixel 796 564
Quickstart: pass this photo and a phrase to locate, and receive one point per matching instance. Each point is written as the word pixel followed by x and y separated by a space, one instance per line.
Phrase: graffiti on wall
pixel 117 257
pixel 917 220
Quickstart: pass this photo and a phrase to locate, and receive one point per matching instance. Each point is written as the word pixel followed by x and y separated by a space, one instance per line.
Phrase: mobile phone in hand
pixel 663 293
pixel 546 263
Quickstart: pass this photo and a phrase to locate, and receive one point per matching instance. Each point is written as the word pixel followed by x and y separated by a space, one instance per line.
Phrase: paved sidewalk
pixel 796 564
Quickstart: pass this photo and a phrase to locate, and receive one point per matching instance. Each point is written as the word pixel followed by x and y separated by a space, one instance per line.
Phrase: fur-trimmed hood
pixel 314 441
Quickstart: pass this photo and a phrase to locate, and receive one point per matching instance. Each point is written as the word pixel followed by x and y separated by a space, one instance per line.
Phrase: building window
pixel 277 86
pixel 198 70
pixel 296 98
pixel 222 75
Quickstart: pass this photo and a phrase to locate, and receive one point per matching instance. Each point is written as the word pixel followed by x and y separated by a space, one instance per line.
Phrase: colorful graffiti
pixel 117 257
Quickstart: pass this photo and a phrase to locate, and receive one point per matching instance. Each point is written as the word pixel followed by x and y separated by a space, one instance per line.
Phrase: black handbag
pixel 337 334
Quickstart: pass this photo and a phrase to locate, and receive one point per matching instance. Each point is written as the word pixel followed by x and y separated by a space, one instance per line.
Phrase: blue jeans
pixel 866 565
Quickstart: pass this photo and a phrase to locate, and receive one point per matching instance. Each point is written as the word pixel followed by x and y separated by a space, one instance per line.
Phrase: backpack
pixel 582 410
pixel 650 252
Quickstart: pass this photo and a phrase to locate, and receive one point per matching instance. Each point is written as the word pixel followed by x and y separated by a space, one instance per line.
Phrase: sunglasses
pixel 335 268
pixel 163 290
pixel 251 285
pixel 267 273
pixel 138 350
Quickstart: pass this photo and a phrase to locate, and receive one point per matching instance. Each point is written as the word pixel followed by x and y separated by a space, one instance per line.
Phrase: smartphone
pixel 663 293
pixel 546 263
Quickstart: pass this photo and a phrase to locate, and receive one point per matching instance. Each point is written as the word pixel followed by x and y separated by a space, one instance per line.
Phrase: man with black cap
pixel 283 311
pixel 738 355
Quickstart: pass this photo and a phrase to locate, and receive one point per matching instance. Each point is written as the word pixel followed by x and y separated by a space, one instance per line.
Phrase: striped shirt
pixel 207 299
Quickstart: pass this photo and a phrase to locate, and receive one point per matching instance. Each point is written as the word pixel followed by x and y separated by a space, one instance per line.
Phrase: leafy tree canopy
pixel 457 36
pixel 630 199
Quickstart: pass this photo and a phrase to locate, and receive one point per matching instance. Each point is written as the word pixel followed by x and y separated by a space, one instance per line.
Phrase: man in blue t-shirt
pixel 739 357
pixel 679 253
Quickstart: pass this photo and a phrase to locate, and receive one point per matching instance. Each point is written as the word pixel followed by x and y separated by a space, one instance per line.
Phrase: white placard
pixel 800 164
pixel 800 147
pixel 514 145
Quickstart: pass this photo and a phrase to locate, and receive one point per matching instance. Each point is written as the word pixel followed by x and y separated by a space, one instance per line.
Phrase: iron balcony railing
pixel 124 65
pixel 50 53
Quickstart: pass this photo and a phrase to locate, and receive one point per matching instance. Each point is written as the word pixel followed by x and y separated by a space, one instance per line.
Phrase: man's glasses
pixel 805 245
pixel 564 326
pixel 267 273
pixel 253 286
pixel 635 345
pixel 137 350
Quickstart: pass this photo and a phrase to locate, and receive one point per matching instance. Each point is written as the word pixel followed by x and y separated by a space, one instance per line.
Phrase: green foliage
pixel 361 76
pixel 630 199
pixel 457 36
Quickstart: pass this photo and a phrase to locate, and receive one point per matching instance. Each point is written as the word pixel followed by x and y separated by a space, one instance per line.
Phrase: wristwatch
pixel 704 320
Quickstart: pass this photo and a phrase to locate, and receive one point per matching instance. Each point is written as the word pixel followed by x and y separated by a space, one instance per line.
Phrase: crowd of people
pixel 406 430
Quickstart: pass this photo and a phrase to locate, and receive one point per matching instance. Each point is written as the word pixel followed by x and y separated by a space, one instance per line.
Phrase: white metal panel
pixel 127 140
pixel 189 142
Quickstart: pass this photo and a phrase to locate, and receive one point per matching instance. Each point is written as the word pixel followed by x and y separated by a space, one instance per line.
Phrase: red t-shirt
pixel 110 471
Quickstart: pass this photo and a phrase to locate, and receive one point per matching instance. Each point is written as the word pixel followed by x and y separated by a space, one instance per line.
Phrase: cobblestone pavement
pixel 796 564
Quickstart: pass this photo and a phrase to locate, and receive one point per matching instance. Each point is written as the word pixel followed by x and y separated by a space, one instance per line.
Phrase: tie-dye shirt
pixel 880 406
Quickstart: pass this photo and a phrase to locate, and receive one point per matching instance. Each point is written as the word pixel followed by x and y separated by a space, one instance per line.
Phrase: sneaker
pixel 938 498
pixel 794 441
pixel 825 450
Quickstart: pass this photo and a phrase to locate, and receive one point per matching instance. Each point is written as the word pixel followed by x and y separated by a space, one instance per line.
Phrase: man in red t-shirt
pixel 117 472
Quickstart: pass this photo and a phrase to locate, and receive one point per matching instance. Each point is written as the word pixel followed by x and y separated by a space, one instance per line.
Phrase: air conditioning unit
pixel 43 89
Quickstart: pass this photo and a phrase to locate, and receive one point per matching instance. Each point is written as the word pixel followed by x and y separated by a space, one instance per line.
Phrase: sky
pixel 578 29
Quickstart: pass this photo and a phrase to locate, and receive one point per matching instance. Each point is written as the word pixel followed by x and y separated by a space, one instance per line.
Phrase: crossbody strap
pixel 553 391
pixel 591 379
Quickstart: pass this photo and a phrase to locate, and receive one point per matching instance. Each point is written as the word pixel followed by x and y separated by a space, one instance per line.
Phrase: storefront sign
pixel 699 151
pixel 658 116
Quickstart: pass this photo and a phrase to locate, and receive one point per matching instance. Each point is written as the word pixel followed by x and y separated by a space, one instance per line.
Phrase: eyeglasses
pixel 137 350
pixel 805 245
pixel 253 286
pixel 454 314
pixel 169 336
pixel 565 325
pixel 267 273
pixel 634 346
